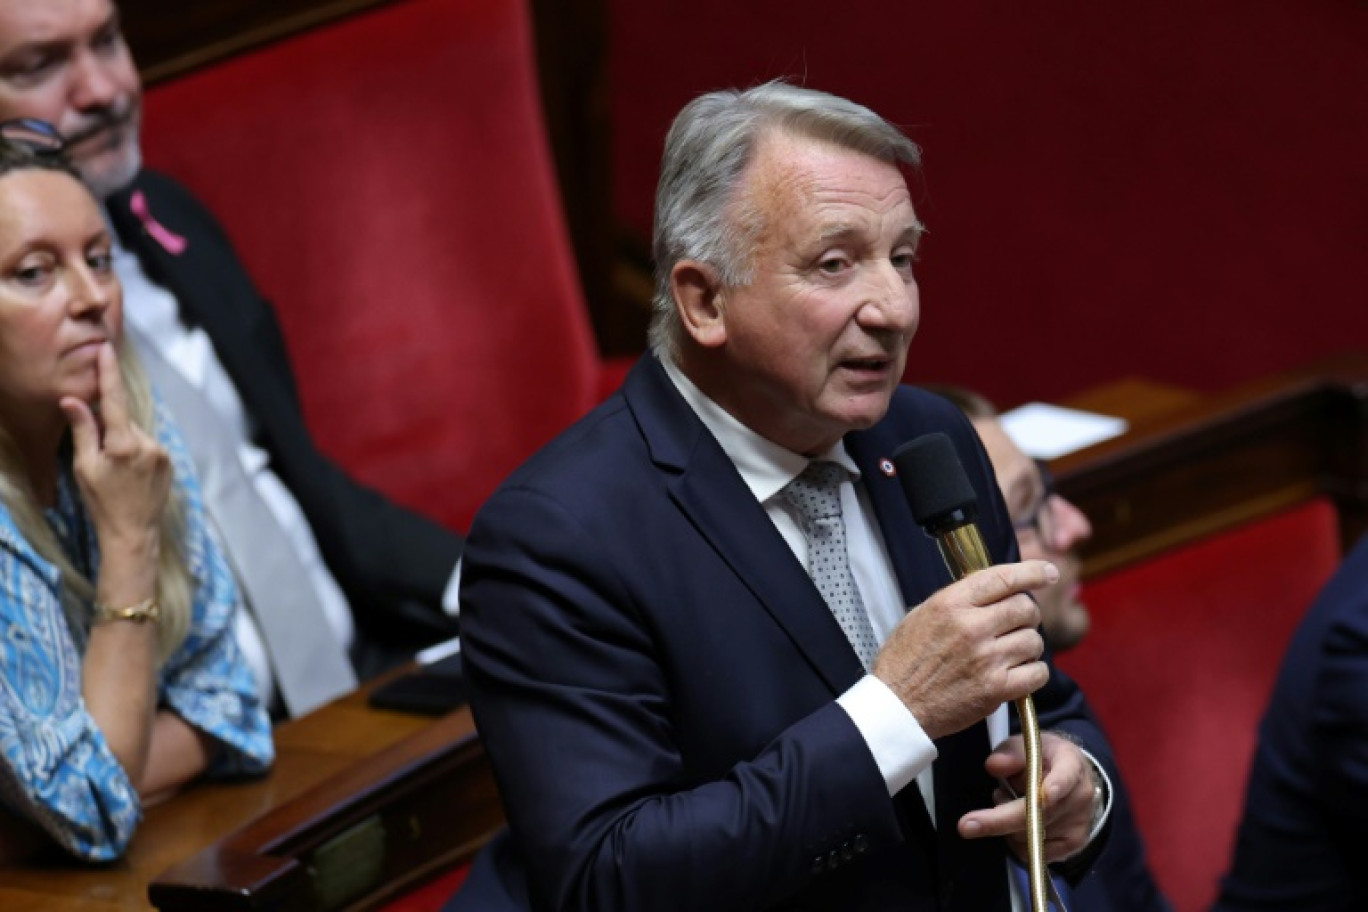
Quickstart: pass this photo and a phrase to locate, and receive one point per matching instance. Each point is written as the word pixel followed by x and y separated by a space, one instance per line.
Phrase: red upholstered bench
pixel 388 182
pixel 1179 665
pixel 431 896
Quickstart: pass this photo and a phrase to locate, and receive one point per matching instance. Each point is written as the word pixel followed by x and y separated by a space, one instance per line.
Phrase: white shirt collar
pixel 764 465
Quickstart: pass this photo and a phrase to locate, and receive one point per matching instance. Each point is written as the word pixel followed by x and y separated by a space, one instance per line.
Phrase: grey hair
pixel 706 153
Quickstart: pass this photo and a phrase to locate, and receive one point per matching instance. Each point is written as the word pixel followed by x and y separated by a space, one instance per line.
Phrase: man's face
pixel 814 345
pixel 1054 537
pixel 65 61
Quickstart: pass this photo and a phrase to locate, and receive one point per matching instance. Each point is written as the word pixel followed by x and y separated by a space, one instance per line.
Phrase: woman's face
pixel 59 298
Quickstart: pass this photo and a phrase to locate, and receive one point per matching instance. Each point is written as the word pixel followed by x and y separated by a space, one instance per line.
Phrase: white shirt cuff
pixel 900 748
pixel 451 596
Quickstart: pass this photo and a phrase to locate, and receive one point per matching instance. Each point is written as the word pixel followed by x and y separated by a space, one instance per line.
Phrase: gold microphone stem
pixel 1035 803
pixel 965 553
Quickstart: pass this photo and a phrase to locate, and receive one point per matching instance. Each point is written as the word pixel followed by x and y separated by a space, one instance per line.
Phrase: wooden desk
pixel 1194 465
pixel 310 750
pixel 1141 402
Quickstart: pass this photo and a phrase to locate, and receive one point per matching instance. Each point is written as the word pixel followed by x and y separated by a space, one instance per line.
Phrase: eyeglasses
pixel 32 134
pixel 1041 520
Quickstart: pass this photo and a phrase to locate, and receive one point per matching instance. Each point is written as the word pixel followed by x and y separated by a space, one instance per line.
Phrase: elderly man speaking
pixel 714 661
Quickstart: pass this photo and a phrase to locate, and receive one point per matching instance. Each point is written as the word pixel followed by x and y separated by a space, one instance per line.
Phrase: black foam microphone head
pixel 935 483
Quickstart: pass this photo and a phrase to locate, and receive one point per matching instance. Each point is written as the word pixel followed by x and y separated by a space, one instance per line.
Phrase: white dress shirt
pixel 153 312
pixel 900 747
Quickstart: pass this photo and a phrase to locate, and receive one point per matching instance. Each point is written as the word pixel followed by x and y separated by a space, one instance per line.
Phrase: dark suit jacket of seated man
pixel 67 63
pixel 1306 806
pixel 675 717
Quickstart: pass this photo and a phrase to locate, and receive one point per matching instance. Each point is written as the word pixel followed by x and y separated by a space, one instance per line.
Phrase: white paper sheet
pixel 1046 431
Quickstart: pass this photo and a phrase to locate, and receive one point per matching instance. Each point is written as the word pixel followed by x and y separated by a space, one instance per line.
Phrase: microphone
pixel 944 504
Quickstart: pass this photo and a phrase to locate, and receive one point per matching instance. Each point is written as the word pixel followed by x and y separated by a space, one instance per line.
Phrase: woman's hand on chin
pixel 123 473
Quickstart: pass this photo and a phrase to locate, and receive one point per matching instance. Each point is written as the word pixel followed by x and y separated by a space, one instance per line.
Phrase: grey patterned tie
pixel 816 494
pixel 310 665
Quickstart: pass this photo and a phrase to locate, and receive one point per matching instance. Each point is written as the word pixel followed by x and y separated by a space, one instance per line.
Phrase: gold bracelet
pixel 141 613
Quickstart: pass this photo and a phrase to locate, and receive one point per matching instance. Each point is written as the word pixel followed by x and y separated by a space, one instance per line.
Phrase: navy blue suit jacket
pixel 654 676
pixel 1306 810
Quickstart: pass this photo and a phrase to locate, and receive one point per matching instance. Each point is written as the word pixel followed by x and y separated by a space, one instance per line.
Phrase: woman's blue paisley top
pixel 55 766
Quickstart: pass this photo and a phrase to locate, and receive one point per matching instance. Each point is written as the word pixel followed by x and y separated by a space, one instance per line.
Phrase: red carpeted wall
pixel 1175 190
pixel 1179 666
pixel 388 181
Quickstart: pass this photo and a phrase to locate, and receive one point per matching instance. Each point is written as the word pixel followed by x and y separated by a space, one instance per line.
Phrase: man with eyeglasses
pixel 1049 527
pixel 340 580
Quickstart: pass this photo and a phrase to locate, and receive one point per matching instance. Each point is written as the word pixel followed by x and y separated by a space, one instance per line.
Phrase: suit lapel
pixel 916 562
pixel 177 272
pixel 208 296
pixel 711 494
pixel 741 533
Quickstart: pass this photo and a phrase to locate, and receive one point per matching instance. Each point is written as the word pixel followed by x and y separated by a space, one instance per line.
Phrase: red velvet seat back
pixel 432 895
pixel 388 182
pixel 1180 663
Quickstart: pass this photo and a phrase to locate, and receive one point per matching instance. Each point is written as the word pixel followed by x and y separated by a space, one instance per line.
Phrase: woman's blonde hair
pixel 174 585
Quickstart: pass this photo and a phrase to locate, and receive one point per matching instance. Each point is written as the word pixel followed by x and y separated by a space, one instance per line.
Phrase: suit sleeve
pixel 1341 712
pixel 557 655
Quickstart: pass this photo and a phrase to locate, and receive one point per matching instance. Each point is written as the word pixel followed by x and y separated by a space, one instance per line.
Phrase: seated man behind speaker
pixel 1049 527
pixel 1300 839
pixel 328 567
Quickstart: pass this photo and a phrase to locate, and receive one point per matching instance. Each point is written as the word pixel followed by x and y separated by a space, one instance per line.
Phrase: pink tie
pixel 171 242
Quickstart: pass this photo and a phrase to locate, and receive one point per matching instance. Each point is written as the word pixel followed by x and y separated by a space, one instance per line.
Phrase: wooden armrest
pixel 1198 469
pixel 356 839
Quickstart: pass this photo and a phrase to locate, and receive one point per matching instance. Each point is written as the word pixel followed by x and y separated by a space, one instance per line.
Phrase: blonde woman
pixel 120 680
